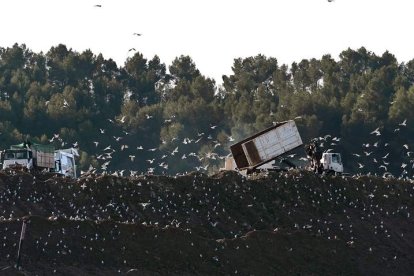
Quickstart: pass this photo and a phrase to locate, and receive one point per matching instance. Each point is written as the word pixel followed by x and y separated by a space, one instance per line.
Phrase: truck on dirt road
pixel 258 150
pixel 37 157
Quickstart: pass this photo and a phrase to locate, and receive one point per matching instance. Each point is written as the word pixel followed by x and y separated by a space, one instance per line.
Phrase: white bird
pixel 144 204
pixel 124 147
pixel 122 120
pixel 174 151
pixel 376 132
pixel 403 123
pixel 132 157
pixel 360 165
pixel 108 148
pixel 405 146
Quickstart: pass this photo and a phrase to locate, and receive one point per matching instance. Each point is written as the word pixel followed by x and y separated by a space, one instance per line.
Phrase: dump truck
pixel 274 143
pixel 37 157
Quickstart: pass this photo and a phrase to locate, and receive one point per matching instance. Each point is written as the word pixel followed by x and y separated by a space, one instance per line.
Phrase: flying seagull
pixel 403 123
pixel 98 6
pixel 376 132
pixel 137 34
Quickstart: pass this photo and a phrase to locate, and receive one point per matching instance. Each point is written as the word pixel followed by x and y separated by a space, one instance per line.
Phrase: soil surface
pixel 288 223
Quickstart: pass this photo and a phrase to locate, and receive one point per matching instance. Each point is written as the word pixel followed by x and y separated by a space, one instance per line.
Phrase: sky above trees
pixel 214 32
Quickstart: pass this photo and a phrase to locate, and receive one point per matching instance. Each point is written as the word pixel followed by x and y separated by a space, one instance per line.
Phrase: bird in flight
pixel 330 1
pixel 98 6
pixel 132 49
pixel 65 103
pixel 376 132
pixel 137 34
pixel 403 123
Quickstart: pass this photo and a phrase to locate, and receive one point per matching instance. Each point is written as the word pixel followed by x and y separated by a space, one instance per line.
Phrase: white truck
pixel 257 151
pixel 40 157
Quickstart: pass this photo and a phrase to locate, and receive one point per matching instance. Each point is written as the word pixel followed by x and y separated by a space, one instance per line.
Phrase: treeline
pixel 141 116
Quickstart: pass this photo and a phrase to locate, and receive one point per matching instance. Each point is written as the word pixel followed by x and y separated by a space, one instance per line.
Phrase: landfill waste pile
pixel 286 223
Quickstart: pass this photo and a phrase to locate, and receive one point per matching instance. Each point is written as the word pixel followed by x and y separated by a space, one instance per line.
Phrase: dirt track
pixel 282 224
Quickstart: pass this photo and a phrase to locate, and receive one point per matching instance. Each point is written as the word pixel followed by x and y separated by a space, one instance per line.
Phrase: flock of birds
pixel 153 160
pixel 224 207
pixel 375 156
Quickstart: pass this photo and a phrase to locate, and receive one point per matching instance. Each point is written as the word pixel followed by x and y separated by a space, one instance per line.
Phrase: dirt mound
pixel 282 223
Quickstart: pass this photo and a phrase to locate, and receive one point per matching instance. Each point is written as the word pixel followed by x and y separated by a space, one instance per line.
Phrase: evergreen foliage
pixel 133 114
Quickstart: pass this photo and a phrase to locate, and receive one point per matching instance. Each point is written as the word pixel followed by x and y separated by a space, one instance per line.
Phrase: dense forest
pixel 146 117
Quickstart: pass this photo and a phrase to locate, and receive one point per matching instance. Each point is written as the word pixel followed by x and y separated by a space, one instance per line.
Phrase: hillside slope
pixel 280 224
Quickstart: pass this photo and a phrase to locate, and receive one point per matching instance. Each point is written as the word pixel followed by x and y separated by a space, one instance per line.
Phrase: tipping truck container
pixel 266 145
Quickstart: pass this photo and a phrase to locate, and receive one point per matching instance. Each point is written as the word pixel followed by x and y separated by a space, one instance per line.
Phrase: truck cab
pixel 65 162
pixel 332 162
pixel 17 158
